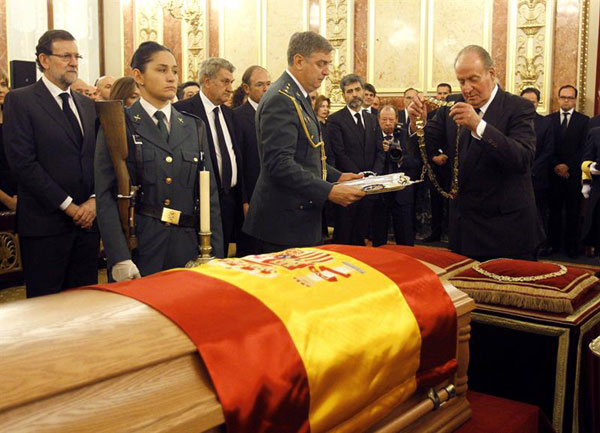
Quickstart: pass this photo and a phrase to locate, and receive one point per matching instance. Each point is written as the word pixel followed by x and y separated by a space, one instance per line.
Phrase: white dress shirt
pixel 353 114
pixel 55 91
pixel 254 104
pixel 151 109
pixel 482 123
pixel 209 107
pixel 569 117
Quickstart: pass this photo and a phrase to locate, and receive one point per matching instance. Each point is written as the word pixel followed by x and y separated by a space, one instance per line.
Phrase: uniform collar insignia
pixel 137 117
pixel 180 119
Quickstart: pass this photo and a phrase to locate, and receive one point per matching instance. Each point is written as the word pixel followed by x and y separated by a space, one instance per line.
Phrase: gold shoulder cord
pixel 312 143
pixel 426 166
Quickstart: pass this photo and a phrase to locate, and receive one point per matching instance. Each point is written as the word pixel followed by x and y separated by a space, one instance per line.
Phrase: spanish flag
pixel 310 339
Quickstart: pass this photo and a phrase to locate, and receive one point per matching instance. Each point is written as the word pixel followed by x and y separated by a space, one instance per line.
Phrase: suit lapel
pixel 51 106
pixel 145 127
pixel 88 125
pixel 199 110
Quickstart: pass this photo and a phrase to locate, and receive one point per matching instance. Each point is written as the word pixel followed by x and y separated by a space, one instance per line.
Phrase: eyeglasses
pixel 567 97
pixel 67 57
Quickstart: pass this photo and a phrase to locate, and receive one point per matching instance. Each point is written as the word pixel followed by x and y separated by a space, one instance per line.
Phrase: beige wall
pixel 394 44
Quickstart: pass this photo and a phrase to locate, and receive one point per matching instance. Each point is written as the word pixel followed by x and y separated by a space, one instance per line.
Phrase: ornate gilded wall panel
pixel 449 29
pixel 148 21
pixel 193 16
pixel 529 56
pixel 338 25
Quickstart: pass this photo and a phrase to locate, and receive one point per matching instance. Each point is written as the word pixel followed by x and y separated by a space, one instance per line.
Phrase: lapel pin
pixel 180 119
pixel 137 117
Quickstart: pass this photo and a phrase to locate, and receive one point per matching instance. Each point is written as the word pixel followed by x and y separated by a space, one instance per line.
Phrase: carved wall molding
pixel 193 14
pixel 148 22
pixel 584 26
pixel 339 30
pixel 529 56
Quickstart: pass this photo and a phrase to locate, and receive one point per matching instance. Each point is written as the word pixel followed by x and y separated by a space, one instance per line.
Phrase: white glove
pixel 125 270
pixel 585 190
pixel 594 168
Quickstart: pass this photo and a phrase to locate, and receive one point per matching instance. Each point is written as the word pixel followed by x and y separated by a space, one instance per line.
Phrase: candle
pixel 204 201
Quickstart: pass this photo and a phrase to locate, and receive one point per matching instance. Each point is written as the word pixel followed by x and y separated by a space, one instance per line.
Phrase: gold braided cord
pixel 423 150
pixel 562 270
pixel 312 143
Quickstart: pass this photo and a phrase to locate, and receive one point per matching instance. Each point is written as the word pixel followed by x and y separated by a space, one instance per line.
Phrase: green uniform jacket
pixel 289 196
pixel 170 173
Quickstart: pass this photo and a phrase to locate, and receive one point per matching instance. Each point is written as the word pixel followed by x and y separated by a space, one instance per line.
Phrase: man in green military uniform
pixel 295 180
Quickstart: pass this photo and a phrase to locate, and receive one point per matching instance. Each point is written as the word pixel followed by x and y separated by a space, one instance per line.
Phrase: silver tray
pixel 381 184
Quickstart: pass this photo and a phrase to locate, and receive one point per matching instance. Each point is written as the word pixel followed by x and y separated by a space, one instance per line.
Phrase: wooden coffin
pixel 94 361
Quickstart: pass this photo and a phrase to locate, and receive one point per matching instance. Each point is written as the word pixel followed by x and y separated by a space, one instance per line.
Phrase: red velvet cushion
pixel 450 262
pixel 558 294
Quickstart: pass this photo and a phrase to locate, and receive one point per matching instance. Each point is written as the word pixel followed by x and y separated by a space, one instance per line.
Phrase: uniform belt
pixel 167 215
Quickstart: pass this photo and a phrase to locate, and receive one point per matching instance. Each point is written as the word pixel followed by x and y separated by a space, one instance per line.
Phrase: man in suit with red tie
pixel 216 79
pixel 49 136
pixel 570 130
pixel 357 142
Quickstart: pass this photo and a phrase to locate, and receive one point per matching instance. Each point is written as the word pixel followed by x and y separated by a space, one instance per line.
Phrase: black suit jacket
pixel 49 163
pixel 569 150
pixel 594 122
pixel 592 153
pixel 351 154
pixel 494 213
pixel 544 151
pixel 195 106
pixel 245 128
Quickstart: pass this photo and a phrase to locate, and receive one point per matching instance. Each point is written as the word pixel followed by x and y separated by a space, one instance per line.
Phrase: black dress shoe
pixel 432 238
pixel 547 252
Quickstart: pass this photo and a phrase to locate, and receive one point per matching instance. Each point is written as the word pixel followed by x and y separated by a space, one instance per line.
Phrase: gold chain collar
pixel 562 270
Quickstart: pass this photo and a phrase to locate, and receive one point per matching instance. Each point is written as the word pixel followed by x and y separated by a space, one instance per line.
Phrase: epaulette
pixel 187 113
pixel 586 174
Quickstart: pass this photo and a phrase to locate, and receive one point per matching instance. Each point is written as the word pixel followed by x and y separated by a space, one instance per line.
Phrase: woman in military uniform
pixel 172 148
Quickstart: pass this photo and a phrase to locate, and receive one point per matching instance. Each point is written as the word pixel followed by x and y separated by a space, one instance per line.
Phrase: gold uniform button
pixel 167 202
pixel 168 181
pixel 195 159
pixel 169 159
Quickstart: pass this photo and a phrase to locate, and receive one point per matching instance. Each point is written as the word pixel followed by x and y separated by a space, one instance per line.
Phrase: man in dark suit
pixel 570 130
pixel 295 180
pixel 544 150
pixel 357 143
pixel 369 97
pixel 49 137
pixel 255 82
pixel 216 78
pixel 494 214
pixel 409 95
pixel 399 204
pixel 441 168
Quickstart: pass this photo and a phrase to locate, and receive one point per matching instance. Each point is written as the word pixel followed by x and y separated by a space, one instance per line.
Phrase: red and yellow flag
pixel 311 339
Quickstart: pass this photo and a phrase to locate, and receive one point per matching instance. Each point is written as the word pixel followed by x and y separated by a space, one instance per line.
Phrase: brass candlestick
pixel 205 255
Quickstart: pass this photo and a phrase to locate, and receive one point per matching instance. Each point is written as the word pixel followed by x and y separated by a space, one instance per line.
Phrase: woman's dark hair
pixel 122 89
pixel 319 101
pixel 238 97
pixel 143 54
pixel 44 45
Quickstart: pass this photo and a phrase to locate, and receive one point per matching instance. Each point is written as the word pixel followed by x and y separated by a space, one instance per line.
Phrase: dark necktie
pixel 564 124
pixel 162 126
pixel 388 137
pixel 71 117
pixel 359 123
pixel 226 174
pixel 470 138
